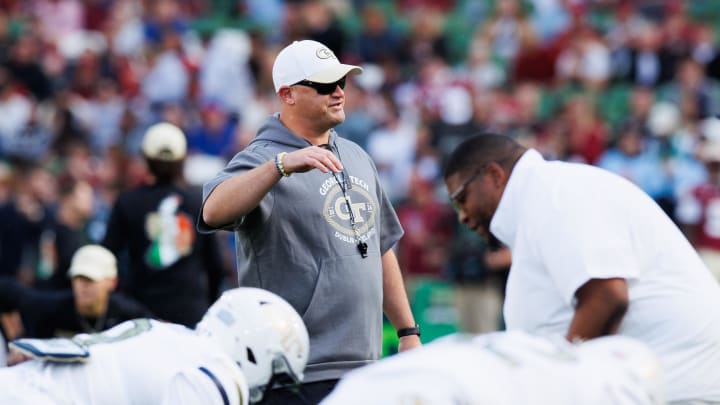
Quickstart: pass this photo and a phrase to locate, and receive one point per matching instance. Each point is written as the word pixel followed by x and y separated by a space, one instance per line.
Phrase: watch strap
pixel 415 330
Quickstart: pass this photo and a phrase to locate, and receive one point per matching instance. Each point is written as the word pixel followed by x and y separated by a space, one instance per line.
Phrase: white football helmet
pixel 262 332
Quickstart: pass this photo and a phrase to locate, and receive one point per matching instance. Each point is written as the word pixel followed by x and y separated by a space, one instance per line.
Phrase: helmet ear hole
pixel 251 356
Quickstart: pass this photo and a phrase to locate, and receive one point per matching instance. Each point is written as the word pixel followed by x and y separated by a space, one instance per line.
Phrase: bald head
pixel 481 149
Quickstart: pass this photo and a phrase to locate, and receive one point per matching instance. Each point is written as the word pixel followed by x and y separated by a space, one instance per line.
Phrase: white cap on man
pixel 164 141
pixel 94 262
pixel 308 60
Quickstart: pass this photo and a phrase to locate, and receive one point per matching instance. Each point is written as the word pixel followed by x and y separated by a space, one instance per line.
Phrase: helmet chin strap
pixel 283 376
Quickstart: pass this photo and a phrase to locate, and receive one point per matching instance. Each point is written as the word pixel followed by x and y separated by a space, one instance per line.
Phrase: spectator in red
pixel 698 212
pixel 587 133
pixel 428 228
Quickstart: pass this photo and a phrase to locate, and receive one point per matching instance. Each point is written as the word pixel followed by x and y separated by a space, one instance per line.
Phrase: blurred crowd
pixel 631 86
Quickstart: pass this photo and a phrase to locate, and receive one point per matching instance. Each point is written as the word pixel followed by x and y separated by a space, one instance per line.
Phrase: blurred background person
pixel 630 157
pixel 169 267
pixel 423 252
pixel 90 306
pixel 698 210
pixel 25 215
pixel 68 232
pixel 478 269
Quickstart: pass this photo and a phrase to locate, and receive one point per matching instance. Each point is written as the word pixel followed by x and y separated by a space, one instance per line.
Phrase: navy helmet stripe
pixel 223 394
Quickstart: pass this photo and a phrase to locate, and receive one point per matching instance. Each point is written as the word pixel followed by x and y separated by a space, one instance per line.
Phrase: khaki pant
pixel 479 307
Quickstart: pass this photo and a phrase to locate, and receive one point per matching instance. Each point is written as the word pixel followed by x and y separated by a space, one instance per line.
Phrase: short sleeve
pixel 242 162
pixel 586 239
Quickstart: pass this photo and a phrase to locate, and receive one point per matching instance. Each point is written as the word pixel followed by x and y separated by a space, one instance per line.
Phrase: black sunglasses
pixel 322 88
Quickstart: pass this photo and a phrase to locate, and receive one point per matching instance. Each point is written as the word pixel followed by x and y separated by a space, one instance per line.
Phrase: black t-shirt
pixel 170 267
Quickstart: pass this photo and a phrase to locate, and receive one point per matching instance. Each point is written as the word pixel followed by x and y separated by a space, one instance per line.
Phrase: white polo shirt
pixel 568 223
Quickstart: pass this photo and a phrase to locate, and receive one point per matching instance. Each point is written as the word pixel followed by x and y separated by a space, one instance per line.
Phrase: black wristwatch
pixel 415 330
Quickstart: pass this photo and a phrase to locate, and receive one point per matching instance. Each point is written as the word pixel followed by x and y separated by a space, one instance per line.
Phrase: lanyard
pixel 345 187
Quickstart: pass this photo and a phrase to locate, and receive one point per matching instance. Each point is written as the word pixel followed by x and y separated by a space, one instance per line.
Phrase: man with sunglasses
pixel 312 222
pixel 592 255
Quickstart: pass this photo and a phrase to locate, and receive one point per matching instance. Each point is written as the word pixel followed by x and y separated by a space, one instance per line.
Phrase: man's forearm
pixel 238 195
pixel 395 301
pixel 601 306
pixel 592 322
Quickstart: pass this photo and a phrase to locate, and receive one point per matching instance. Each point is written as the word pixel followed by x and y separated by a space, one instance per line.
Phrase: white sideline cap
pixel 308 60
pixel 94 262
pixel 164 141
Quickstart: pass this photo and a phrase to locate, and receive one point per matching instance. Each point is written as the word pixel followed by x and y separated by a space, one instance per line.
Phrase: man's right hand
pixel 312 157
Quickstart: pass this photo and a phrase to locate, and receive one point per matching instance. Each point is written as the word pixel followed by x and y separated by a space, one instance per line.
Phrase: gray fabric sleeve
pixel 242 162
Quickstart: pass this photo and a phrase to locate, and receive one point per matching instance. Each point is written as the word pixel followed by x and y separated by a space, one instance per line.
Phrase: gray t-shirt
pixel 299 244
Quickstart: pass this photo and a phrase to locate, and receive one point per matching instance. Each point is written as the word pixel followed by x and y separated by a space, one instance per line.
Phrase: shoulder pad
pixel 56 349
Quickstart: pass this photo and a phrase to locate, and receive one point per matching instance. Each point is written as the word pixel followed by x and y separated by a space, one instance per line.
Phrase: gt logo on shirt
pixel 338 213
pixel 357 209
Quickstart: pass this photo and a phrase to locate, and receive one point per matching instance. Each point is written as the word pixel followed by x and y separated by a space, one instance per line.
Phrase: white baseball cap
pixel 164 141
pixel 308 60
pixel 94 262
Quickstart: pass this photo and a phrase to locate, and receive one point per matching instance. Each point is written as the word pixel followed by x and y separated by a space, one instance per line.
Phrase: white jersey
pixel 131 363
pixel 215 382
pixel 509 368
